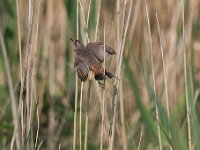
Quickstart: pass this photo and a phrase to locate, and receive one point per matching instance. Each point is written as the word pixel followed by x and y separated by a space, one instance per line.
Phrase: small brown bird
pixel 90 58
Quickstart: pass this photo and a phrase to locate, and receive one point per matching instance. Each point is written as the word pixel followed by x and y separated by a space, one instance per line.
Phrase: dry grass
pixel 155 94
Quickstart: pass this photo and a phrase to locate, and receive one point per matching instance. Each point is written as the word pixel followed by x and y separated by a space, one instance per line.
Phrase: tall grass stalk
pixel 16 135
pixel 34 72
pixel 27 74
pixel 141 133
pixel 118 71
pixel 153 74
pixel 97 21
pixel 20 61
pixel 80 117
pixel 102 117
pixel 164 71
pixel 75 112
pixel 25 81
pixel 33 77
pixel 186 81
pixel 103 96
pixel 89 86
pixel 122 118
pixel 21 66
pixel 19 39
pixel 87 112
pixel 76 88
pixel 164 67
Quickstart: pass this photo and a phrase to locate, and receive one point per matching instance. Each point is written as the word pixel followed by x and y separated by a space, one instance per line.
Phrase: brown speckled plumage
pixel 91 58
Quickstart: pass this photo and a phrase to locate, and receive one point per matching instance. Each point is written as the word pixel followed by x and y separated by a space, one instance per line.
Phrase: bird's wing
pixel 82 69
pixel 97 49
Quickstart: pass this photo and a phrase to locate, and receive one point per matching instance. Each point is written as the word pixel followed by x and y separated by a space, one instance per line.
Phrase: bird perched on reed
pixel 91 58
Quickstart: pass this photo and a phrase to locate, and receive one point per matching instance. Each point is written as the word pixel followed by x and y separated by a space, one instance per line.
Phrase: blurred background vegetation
pixel 36 33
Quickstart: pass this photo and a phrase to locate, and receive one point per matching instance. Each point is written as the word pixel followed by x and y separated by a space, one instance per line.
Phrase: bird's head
pixel 77 43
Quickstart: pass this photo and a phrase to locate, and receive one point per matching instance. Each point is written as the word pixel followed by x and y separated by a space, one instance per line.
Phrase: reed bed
pixel 151 103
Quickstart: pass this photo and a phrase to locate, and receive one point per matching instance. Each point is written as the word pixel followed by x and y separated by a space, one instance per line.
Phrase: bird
pixel 90 58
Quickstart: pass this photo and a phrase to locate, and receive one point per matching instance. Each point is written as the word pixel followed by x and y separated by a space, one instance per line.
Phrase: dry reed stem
pixel 59 146
pixel 122 116
pixel 86 117
pixel 123 130
pixel 185 75
pixel 19 39
pixel 28 73
pixel 34 74
pixel 39 145
pixel 38 127
pixel 20 59
pixel 153 74
pixel 102 117
pixel 76 88
pixel 89 86
pixel 173 37
pixel 164 68
pixel 141 133
pixel 164 71
pixel 135 16
pixel 97 24
pixel 12 142
pixel 103 95
pixel 88 15
pixel 33 77
pixel 75 112
pixel 118 22
pixel 97 90
pixel 80 117
pixel 26 76
pixel 21 67
pixel 12 94
pixel 83 25
pixel 118 70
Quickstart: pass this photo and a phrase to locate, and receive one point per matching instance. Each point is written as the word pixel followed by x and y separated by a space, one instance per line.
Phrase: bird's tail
pixel 109 75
